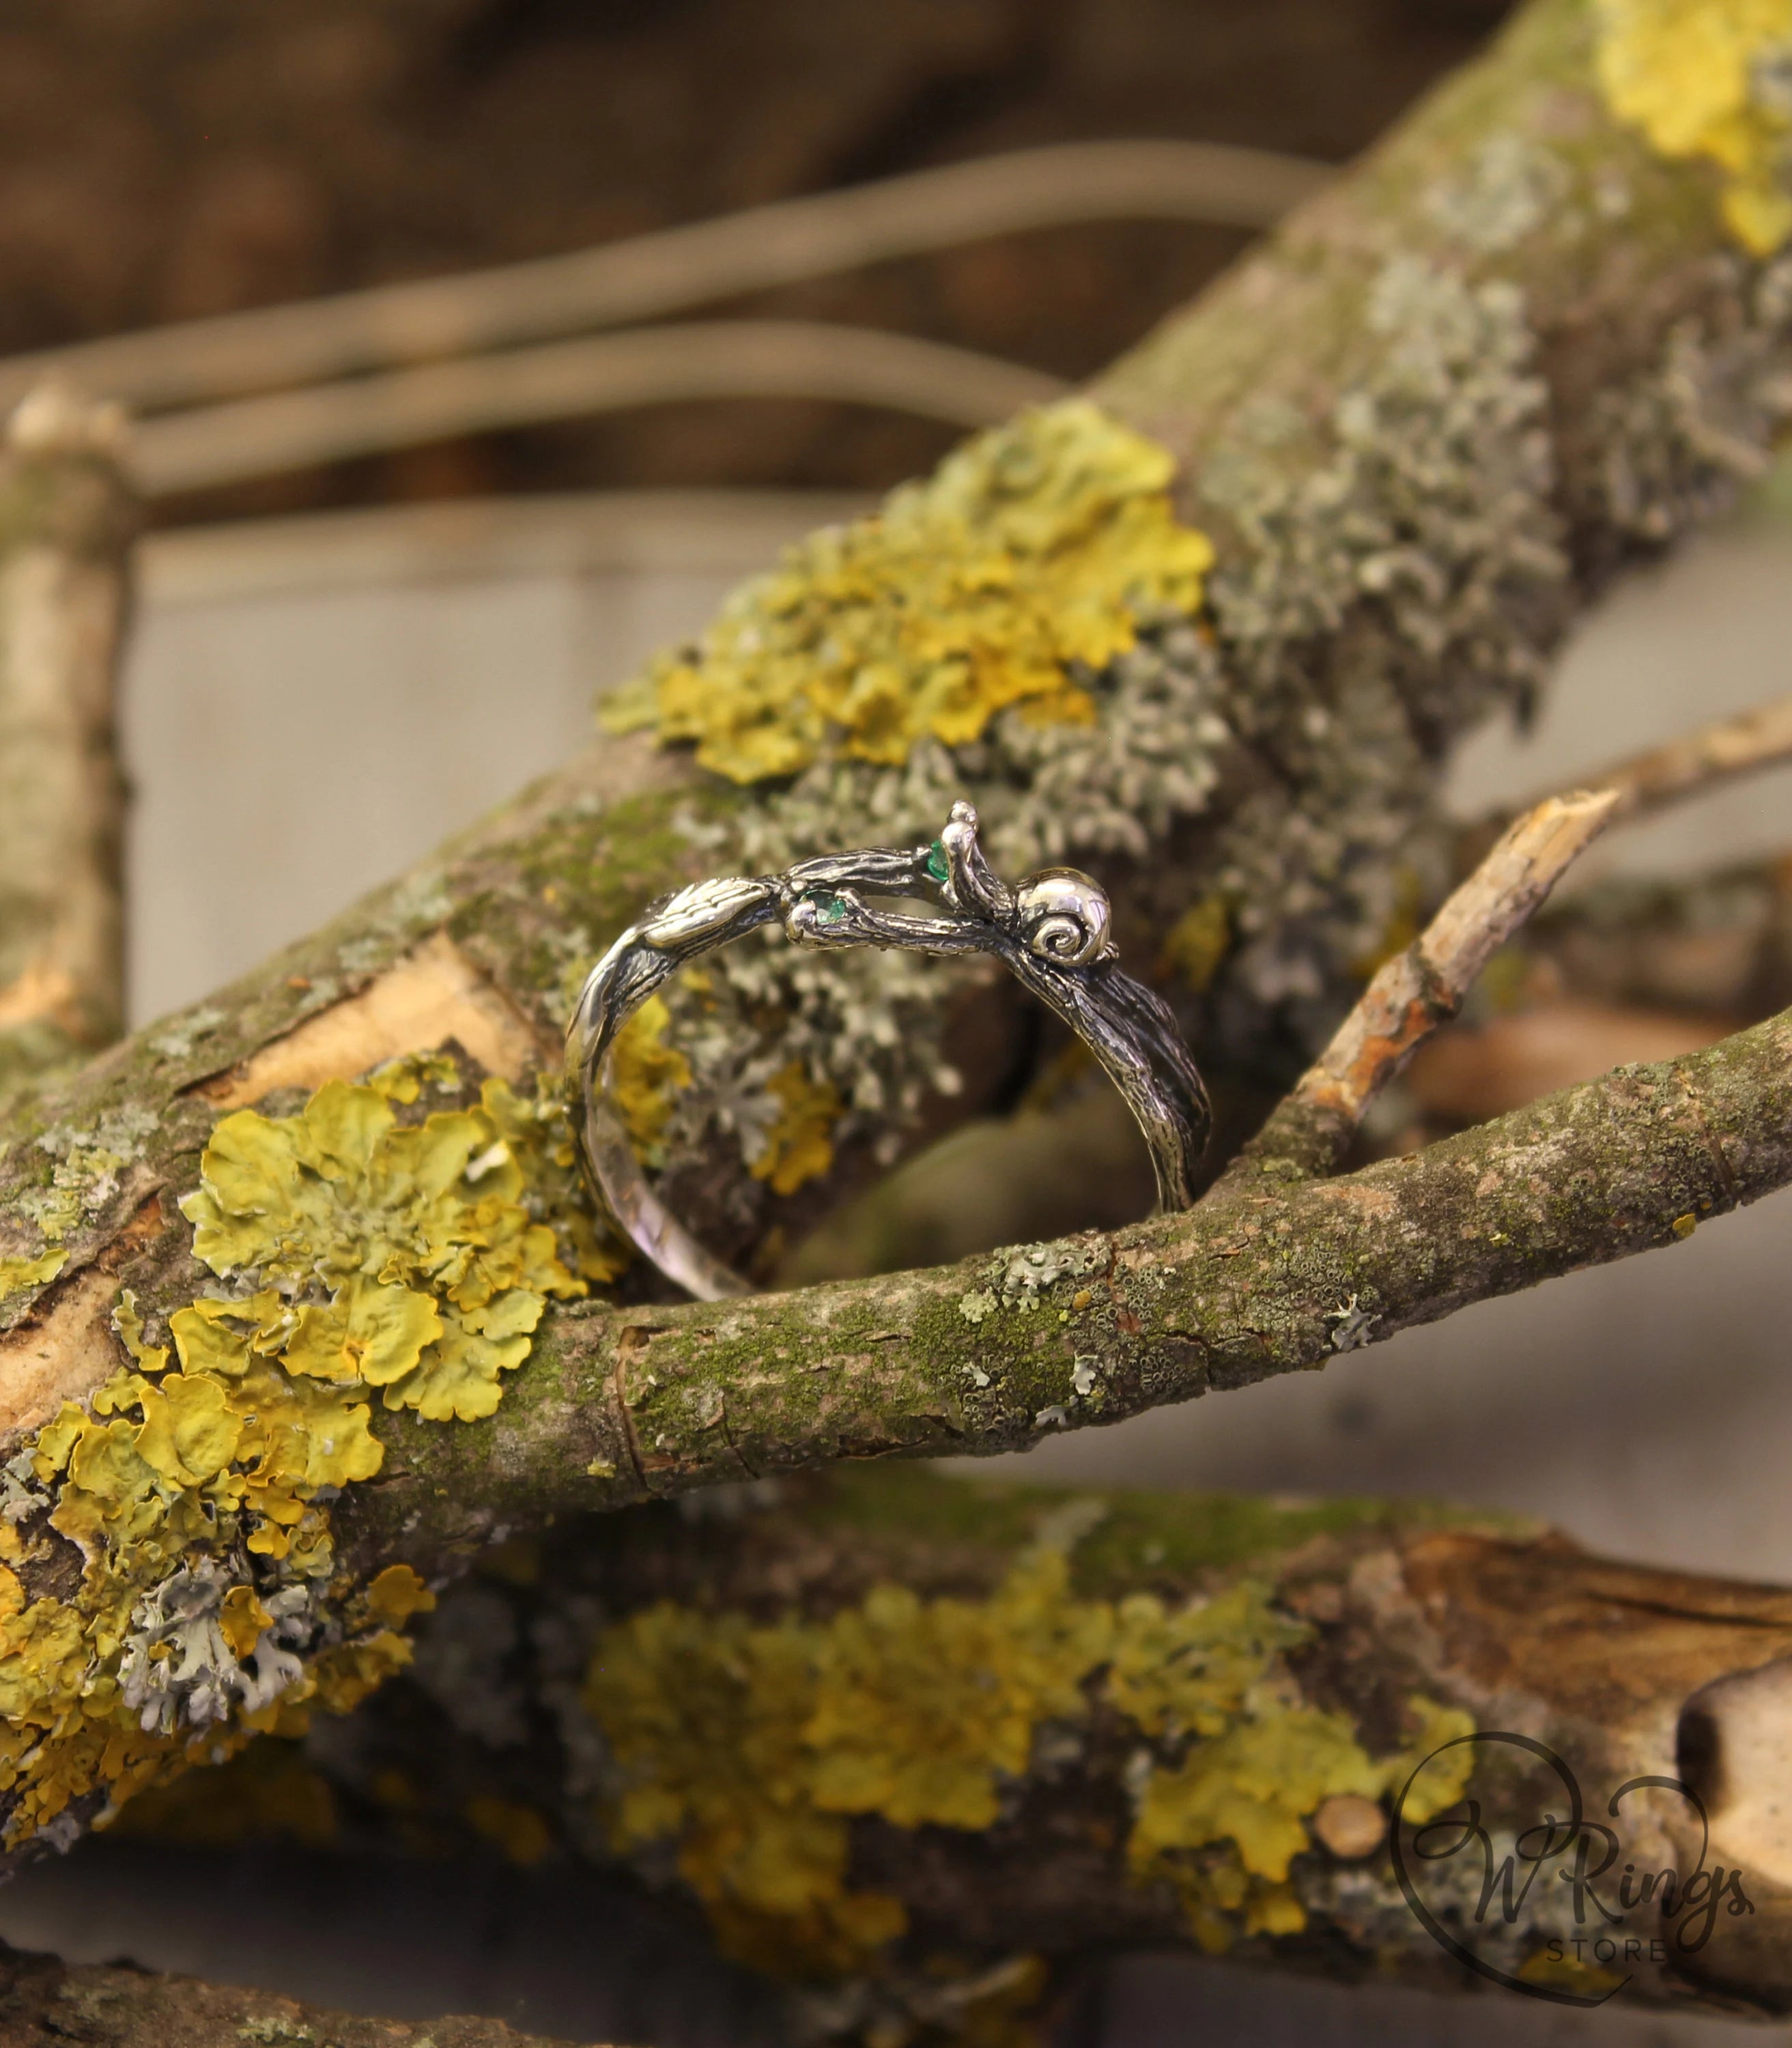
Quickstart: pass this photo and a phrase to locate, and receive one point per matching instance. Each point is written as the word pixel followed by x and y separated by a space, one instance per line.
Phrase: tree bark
pixel 822 1704
pixel 42 1999
pixel 67 520
pixel 1418 428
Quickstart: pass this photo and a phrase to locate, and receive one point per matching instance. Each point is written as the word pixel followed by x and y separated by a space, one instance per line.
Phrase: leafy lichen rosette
pixel 384 1258
pixel 358 1256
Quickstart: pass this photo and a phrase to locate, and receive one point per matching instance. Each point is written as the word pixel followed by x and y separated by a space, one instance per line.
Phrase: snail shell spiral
pixel 1065 915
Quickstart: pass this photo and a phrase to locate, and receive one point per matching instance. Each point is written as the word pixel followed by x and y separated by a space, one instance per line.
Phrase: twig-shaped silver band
pixel 1052 932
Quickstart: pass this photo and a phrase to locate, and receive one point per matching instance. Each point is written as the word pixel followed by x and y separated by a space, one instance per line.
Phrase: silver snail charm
pixel 1066 916
pixel 1054 933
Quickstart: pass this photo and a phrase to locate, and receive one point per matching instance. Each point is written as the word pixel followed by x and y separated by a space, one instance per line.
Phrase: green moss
pixel 1132 1538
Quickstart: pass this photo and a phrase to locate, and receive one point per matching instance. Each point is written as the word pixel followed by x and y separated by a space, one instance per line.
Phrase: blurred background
pixel 451 570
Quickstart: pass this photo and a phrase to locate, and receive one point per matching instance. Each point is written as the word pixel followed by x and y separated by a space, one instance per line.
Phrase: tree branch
pixel 1698 762
pixel 67 520
pixel 1416 430
pixel 117 2006
pixel 217 445
pixel 1418 990
pixel 997 1352
pixel 805 1701
pixel 649 275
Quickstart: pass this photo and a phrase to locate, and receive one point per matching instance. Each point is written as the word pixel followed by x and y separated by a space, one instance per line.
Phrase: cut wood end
pixel 57 417
pixel 41 995
pixel 434 993
pixel 1734 1748
pixel 1350 1826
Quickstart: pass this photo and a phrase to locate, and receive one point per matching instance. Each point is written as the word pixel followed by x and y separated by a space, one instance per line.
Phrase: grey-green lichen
pixel 71 1177
pixel 1432 503
pixel 1679 441
pixel 1018 628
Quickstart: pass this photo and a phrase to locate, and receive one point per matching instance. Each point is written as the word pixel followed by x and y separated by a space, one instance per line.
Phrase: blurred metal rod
pixel 650 275
pixel 293 430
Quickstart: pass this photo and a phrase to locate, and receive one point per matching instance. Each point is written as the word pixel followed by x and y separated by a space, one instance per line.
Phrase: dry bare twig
pixel 650 275
pixel 218 444
pixel 1420 988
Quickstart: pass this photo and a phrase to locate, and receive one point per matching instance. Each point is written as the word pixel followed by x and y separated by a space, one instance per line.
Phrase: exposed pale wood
pixel 434 994
pixel 53 1356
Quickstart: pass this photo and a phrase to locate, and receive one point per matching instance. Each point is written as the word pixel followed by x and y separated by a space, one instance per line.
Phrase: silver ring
pixel 1053 934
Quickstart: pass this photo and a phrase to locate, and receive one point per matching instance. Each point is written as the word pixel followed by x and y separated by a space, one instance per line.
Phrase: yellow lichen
pixel 748 1747
pixel 17 1275
pixel 706 1716
pixel 267 1792
pixel 362 1256
pixel 394 1595
pixel 90 1686
pixel 1034 547
pixel 405 1079
pixel 435 1272
pixel 923 1707
pixel 797 1144
pixel 1195 946
pixel 127 1319
pixel 1710 78
pixel 645 1074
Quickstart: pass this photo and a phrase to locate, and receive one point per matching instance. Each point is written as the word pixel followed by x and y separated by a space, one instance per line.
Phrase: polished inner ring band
pixel 1052 932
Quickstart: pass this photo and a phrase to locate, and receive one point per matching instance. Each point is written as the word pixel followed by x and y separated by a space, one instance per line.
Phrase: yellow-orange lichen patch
pixel 361 1258
pixel 798 1145
pixel 748 1748
pixel 1710 78
pixel 429 1270
pixel 1026 558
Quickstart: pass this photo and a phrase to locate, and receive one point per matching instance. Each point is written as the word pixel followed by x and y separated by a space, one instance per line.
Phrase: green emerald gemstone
pixel 936 860
pixel 830 909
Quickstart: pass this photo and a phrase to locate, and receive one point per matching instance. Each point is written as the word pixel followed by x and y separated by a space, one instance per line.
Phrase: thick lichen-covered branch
pixel 1207 631
pixel 995 1353
pixel 42 1999
pixel 922 1748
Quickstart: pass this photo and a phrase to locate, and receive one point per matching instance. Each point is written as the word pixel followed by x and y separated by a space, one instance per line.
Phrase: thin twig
pixel 1423 987
pixel 1687 766
pixel 651 275
pixel 573 379
pixel 1697 761
pixel 1419 989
